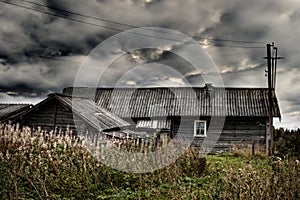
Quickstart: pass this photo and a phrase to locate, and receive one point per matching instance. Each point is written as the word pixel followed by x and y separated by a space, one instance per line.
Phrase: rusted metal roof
pixel 181 101
pixel 10 111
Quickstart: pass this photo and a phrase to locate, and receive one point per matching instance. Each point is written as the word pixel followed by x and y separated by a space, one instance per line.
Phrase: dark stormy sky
pixel 42 46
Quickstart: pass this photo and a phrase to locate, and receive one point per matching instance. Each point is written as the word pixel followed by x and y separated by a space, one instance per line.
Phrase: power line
pixel 50 57
pixel 132 26
pixel 56 15
pixel 96 18
pixel 120 30
pixel 84 22
pixel 56 49
pixel 111 28
pixel 239 46
pixel 79 14
pixel 227 40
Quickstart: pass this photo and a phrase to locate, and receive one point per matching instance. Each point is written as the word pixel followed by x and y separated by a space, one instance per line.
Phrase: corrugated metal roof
pixel 95 115
pixel 181 101
pixel 9 111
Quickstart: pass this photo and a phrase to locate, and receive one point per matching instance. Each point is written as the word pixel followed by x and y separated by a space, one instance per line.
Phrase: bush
pixel 287 142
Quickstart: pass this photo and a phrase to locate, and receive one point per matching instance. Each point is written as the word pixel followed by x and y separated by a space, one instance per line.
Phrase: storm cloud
pixel 43 46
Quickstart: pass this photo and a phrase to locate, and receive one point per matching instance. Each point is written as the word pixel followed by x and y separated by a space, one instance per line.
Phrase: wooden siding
pixel 57 111
pixel 235 132
pixel 156 102
pixel 49 115
pixel 245 110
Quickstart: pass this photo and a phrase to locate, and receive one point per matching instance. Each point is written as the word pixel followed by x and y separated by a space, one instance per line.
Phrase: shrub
pixel 287 142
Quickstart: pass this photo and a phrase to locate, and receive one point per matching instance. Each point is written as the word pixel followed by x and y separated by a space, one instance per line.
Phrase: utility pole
pixel 271 70
pixel 269 64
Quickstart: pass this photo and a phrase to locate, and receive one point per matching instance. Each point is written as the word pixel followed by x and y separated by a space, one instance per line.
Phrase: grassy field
pixel 38 166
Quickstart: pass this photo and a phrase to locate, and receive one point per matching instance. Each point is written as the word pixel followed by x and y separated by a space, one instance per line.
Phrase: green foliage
pixel 287 142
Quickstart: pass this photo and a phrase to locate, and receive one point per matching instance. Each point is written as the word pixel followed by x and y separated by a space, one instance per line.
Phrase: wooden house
pixel 190 111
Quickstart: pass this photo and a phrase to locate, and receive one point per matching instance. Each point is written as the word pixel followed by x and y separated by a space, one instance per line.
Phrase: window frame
pixel 195 128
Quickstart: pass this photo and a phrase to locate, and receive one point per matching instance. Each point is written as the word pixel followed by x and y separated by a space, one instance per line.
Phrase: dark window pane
pixel 202 131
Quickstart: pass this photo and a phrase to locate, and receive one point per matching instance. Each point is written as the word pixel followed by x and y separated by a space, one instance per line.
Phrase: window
pixel 200 128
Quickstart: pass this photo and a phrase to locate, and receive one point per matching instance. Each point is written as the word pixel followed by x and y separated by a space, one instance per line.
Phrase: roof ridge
pixel 67 95
pixel 173 87
pixel 16 104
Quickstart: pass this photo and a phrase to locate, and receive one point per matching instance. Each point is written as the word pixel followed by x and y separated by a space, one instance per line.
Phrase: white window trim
pixel 195 126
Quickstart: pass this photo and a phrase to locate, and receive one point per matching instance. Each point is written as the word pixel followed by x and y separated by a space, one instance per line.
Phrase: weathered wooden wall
pixel 52 114
pixel 236 132
pixel 48 116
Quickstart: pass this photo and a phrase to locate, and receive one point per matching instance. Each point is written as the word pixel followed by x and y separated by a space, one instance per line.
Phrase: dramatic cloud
pixel 41 53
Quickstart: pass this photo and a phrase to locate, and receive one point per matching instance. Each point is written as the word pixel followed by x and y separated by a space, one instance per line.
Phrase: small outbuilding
pixel 58 113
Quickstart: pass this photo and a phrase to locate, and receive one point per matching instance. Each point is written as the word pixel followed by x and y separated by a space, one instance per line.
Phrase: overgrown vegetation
pixel 34 165
pixel 287 142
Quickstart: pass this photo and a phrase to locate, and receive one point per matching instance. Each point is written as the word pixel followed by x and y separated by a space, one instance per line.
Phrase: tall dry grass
pixel 262 177
pixel 39 165
pixel 281 182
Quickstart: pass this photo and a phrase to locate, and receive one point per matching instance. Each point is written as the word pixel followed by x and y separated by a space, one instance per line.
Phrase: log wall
pixel 236 132
pixel 49 116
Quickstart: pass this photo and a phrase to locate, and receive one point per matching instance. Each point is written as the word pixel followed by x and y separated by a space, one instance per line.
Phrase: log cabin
pixel 188 112
pixel 241 114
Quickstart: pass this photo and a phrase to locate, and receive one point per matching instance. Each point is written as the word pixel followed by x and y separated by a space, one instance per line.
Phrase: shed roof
pixel 181 101
pixel 11 111
pixel 98 117
pixel 94 115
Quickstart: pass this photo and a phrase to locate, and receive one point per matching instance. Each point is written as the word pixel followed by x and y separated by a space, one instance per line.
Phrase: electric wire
pixel 121 30
pixel 132 26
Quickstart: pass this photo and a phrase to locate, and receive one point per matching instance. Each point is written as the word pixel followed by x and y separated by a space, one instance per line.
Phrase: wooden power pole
pixel 269 64
pixel 271 69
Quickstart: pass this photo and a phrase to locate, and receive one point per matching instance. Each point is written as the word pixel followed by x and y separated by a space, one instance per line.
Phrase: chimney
pixel 208 87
